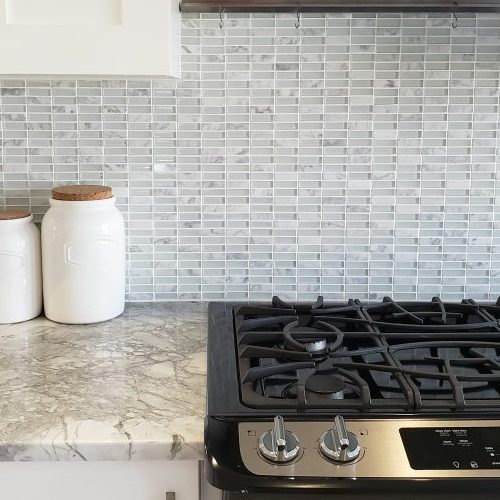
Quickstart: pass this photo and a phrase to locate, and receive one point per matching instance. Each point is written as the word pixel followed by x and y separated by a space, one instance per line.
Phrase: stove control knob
pixel 338 444
pixel 279 445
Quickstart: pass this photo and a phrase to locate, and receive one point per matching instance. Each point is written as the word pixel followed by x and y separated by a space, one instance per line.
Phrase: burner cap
pixel 329 386
pixel 326 384
pixel 315 345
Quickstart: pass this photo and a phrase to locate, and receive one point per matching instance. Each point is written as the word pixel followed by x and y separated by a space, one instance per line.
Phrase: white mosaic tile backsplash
pixel 355 157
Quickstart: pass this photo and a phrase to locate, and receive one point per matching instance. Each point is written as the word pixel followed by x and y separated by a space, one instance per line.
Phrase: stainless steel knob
pixel 278 444
pixel 338 444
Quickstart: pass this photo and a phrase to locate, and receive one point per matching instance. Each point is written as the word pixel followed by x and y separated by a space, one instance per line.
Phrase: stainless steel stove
pixel 354 400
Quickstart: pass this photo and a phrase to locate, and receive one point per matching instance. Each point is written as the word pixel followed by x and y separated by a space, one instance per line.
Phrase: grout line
pixel 420 169
pixel 129 232
pixel 225 168
pixel 322 173
pixel 491 293
pixel 274 170
pixel 27 146
pixel 395 172
pixel 471 143
pixel 52 138
pixel 346 167
pixel 152 142
pixel 297 168
pixel 443 230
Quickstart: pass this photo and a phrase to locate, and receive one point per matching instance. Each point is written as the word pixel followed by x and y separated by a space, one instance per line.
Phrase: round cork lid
pixel 82 192
pixel 14 213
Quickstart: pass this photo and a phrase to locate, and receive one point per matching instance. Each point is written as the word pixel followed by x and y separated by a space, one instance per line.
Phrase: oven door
pixel 366 495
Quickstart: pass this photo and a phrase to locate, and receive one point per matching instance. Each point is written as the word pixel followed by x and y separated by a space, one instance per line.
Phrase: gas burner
pixel 319 338
pixel 318 385
pixel 327 385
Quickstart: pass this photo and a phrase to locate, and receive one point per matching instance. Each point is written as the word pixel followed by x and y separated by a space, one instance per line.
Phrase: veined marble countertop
pixel 132 388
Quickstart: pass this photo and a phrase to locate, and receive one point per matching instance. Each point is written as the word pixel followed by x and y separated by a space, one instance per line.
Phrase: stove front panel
pixel 438 448
pixel 395 449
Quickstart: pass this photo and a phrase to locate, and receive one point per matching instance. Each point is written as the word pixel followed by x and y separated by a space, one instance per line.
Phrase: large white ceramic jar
pixel 83 255
pixel 20 267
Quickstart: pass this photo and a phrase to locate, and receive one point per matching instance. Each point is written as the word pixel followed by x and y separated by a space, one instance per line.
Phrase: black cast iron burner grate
pixel 394 356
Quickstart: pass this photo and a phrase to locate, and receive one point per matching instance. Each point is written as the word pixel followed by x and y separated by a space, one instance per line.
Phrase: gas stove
pixel 359 398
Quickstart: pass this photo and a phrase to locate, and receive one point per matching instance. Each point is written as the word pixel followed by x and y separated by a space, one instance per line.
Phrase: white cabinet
pixel 148 480
pixel 208 492
pixel 90 38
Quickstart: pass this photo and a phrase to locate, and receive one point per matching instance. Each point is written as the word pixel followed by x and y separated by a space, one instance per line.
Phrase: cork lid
pixel 82 192
pixel 14 213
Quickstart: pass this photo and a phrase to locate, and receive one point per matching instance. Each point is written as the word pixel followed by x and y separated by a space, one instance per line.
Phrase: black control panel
pixel 452 448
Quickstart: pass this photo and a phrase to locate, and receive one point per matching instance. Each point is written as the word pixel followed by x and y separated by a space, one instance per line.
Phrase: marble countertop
pixel 128 389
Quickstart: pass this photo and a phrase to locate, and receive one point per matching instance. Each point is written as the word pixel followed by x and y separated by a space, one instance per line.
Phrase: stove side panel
pixel 223 395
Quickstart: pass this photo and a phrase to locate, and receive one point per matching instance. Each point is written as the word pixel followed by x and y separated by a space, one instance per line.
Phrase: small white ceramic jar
pixel 20 267
pixel 83 255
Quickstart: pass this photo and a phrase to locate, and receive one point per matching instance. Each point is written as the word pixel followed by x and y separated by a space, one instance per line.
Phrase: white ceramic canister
pixel 83 255
pixel 20 267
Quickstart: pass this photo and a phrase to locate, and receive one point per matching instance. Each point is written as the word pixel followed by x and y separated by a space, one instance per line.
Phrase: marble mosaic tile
pixel 354 156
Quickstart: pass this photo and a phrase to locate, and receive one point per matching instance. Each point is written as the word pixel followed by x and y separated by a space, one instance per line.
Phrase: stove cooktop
pixel 371 394
pixel 366 357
